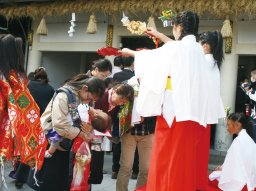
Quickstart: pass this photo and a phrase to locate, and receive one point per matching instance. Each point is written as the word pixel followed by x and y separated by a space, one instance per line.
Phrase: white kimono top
pixel 136 119
pixel 239 167
pixel 187 99
pixel 214 113
pixel 101 137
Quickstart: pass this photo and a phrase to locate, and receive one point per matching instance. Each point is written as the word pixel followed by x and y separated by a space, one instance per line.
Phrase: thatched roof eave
pixel 217 8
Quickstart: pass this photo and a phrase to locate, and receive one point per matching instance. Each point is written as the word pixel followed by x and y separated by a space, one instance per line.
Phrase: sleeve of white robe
pixel 136 119
pixel 152 68
pixel 83 112
pixel 252 96
pixel 233 175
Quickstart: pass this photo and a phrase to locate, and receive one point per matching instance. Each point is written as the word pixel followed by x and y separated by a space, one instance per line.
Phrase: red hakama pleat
pixel 173 165
pixel 203 157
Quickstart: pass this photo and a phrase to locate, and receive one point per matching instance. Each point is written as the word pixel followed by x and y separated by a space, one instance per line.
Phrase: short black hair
pixel 127 61
pixel 124 90
pixel 102 64
pixel 118 61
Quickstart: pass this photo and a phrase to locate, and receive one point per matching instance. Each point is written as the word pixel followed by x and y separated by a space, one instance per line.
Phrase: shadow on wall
pixel 61 66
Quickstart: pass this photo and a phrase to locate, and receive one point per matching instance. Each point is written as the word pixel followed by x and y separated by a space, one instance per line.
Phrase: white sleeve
pixel 252 96
pixel 152 68
pixel 233 176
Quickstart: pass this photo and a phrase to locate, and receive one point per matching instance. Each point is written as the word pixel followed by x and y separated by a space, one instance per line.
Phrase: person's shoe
pixel 12 175
pixel 47 154
pixel 114 175
pixel 18 184
pixel 134 176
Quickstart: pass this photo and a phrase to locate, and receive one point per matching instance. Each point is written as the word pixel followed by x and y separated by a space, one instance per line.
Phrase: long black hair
pixel 189 21
pixel 246 122
pixel 11 55
pixel 95 85
pixel 215 41
pixel 20 54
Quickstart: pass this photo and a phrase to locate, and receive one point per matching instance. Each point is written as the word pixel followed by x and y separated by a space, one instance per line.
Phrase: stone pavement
pixel 108 184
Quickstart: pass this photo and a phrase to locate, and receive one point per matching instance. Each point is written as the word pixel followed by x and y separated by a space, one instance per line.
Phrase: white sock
pixel 47 154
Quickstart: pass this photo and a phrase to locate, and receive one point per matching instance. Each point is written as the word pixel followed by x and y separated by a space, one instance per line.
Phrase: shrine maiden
pixel 174 86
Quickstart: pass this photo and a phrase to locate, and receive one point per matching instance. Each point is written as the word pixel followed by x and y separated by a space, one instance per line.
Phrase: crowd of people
pixel 155 106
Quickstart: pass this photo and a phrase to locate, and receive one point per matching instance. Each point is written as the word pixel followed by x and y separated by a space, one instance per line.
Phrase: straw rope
pixel 217 8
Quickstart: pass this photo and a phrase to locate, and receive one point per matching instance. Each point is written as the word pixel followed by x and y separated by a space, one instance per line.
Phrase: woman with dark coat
pixel 40 88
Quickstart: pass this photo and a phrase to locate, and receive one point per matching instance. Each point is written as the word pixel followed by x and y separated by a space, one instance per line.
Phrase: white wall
pixel 246 37
pixel 58 32
pixel 58 39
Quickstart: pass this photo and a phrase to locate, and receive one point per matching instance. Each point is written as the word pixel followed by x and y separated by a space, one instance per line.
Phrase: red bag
pixel 81 170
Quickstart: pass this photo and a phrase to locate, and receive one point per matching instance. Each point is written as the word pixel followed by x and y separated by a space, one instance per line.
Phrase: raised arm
pixel 128 52
pixel 155 34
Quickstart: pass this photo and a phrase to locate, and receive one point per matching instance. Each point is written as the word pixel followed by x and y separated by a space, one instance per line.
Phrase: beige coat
pixel 61 119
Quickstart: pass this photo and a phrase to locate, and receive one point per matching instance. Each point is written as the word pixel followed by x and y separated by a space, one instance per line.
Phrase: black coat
pixel 124 75
pixel 41 92
pixel 241 99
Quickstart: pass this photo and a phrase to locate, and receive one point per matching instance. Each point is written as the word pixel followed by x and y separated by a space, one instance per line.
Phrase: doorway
pixel 133 43
pixel 245 65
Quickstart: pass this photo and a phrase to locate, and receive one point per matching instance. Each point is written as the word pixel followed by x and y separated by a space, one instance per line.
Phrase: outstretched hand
pixel 127 52
pixel 154 34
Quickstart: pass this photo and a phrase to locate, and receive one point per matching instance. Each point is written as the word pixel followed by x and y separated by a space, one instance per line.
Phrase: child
pixel 239 167
pixel 100 122
pixel 81 171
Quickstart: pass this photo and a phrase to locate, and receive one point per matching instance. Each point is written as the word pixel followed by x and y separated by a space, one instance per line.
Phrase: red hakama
pixel 203 158
pixel 175 156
